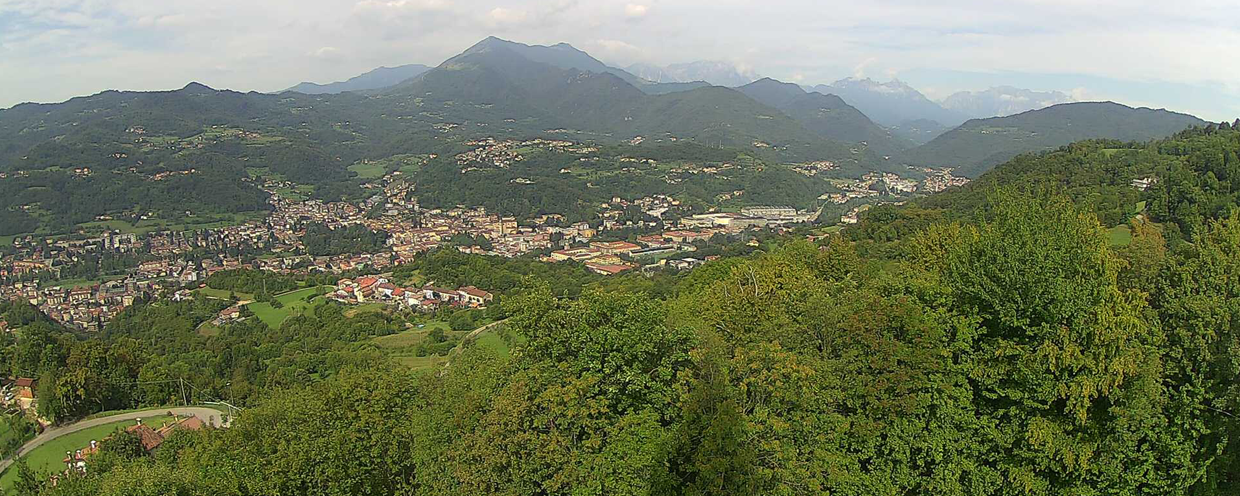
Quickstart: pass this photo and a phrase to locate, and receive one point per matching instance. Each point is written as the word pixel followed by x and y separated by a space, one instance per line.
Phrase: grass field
pixel 418 363
pixel 294 303
pixel 298 193
pixel 151 225
pixel 77 283
pixel 223 294
pixel 48 457
pixel 372 170
pixel 364 308
pixel 1120 235
pixel 208 329
pixel 415 279
pixel 488 339
pixel 402 347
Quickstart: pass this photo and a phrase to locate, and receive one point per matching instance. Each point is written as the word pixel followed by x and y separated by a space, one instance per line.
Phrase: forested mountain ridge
pixel 827 115
pixel 130 154
pixel 501 83
pixel 382 77
pixel 892 103
pixel 980 144
pixel 990 341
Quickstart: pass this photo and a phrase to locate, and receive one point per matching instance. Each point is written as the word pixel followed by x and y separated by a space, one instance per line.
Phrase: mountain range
pixel 714 72
pixel 827 115
pixel 382 77
pixel 495 89
pixel 497 81
pixel 893 103
pixel 1002 101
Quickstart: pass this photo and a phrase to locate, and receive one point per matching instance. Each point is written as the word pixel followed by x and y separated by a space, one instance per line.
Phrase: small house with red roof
pixel 474 297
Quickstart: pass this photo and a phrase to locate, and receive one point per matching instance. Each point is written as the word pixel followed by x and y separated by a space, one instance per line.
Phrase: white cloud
pixel 171 20
pixel 502 16
pixel 859 69
pixel 411 5
pixel 326 52
pixel 615 51
pixel 636 10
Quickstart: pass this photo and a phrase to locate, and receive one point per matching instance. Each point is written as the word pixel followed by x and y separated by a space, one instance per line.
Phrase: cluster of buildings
pixel 814 168
pixel 176 259
pixel 424 299
pixel 941 179
pixel 490 152
pixel 85 308
pixel 1144 183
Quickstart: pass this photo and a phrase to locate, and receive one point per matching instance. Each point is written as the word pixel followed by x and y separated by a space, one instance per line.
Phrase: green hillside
pixel 188 156
pixel 981 144
pixel 996 340
pixel 826 115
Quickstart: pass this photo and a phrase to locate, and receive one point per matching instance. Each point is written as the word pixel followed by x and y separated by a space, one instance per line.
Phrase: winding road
pixel 208 415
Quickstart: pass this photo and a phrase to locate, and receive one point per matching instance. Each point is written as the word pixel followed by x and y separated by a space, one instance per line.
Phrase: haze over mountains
pixel 375 79
pixel 892 103
pixel 715 72
pixel 1002 101
pixel 827 115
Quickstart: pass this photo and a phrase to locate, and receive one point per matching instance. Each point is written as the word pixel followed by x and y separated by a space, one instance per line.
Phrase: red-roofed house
pixel 387 290
pixel 615 247
pixel 24 392
pixel 150 439
pixel 474 297
pixel 652 240
pixel 607 269
pixel 153 438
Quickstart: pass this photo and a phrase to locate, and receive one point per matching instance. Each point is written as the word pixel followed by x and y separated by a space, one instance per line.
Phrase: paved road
pixel 211 416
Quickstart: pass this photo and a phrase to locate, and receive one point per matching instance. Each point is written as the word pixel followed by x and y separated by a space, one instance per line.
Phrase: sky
pixel 1180 55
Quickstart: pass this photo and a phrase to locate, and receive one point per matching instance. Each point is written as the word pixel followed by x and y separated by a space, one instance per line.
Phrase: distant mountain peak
pixel 196 86
pixel 560 55
pixel 1000 101
pixel 768 81
pixel 891 103
pixel 381 77
pixel 715 72
pixel 893 86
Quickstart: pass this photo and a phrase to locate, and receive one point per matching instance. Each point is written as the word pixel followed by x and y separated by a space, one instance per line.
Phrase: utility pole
pixel 184 399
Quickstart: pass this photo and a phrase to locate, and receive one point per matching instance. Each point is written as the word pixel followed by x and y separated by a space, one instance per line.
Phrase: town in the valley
pixel 126 266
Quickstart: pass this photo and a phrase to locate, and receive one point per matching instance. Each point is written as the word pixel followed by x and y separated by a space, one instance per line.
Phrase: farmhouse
pixel 474 297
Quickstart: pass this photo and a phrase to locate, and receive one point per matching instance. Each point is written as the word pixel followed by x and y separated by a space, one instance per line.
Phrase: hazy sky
pixel 1179 54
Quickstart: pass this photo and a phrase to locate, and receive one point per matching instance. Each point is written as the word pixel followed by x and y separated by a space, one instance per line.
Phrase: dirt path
pixel 208 415
pixel 473 334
